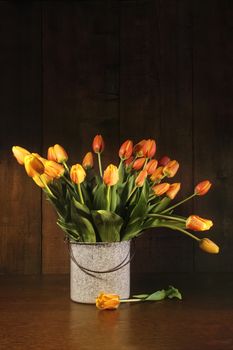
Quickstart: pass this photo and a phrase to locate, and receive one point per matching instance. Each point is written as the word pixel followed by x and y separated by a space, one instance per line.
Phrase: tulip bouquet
pixel 116 204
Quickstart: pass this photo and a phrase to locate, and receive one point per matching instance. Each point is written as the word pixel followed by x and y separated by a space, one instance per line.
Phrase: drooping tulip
pixel 171 168
pixel 202 188
pixel 164 161
pixel 20 153
pixel 160 189
pixel 196 223
pixel 151 166
pixel 126 150
pixel 141 178
pixel 54 169
pixel 149 148
pixel 98 144
pixel 111 175
pixel 77 174
pixel 208 246
pixel 57 153
pixel 157 174
pixel 42 180
pixel 33 165
pixel 137 150
pixel 107 301
pixel 88 162
pixel 173 190
pixel 138 164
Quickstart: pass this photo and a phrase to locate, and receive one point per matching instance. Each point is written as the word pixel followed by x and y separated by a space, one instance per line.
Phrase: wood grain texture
pixel 20 91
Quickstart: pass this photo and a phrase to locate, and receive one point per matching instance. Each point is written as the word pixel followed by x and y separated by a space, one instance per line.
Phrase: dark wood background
pixel 125 69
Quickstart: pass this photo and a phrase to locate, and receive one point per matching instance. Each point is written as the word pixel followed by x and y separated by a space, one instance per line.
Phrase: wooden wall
pixel 125 69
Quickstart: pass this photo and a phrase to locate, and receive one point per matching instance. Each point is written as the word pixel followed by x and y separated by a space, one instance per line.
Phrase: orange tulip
pixel 208 246
pixel 20 153
pixel 157 174
pixel 98 144
pixel 111 175
pixel 151 166
pixel 88 162
pixel 173 190
pixel 171 168
pixel 33 165
pixel 126 150
pixel 163 161
pixel 196 223
pixel 149 148
pixel 77 173
pixel 141 178
pixel 161 189
pixel 202 188
pixel 128 162
pixel 107 301
pixel 137 150
pixel 138 164
pixel 54 169
pixel 42 180
pixel 57 154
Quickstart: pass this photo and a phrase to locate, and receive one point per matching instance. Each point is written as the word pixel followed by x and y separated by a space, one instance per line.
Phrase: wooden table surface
pixel 36 313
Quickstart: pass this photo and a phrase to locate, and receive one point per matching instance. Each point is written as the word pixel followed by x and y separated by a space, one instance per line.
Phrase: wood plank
pixel 213 127
pixel 20 91
pixel 80 94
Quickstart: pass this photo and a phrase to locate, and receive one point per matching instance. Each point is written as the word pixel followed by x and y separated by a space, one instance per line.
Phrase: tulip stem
pixel 179 229
pixel 146 161
pixel 66 166
pixel 132 192
pixel 129 300
pixel 80 193
pixel 108 198
pixel 100 165
pixel 179 203
pixel 166 217
pixel 47 187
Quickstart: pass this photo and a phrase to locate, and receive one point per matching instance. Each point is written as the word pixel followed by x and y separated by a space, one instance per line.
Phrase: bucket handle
pixel 90 272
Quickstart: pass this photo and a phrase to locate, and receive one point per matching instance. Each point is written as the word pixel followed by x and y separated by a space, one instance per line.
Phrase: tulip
pixel 126 150
pixel 77 174
pixel 107 301
pixel 54 169
pixel 43 160
pixel 202 188
pixel 208 246
pixel 141 178
pixel 196 223
pixel 42 180
pixel 161 189
pixel 173 190
pixel 33 165
pixel 157 174
pixel 88 162
pixel 171 168
pixel 137 150
pixel 164 161
pixel 57 154
pixel 149 148
pixel 138 164
pixel 151 166
pixel 111 175
pixel 98 144
pixel 128 162
pixel 20 153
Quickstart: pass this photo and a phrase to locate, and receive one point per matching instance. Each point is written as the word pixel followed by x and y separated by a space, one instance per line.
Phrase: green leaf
pixel 87 230
pixel 162 205
pixel 173 292
pixel 82 209
pixel 100 197
pixel 159 295
pixel 140 296
pixel 108 225
pixel 70 229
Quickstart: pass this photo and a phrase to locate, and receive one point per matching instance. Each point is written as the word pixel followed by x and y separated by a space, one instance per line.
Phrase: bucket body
pixel 85 285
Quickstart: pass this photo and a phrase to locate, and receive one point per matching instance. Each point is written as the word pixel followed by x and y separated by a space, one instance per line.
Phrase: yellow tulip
pixel 20 153
pixel 42 180
pixel 57 153
pixel 53 169
pixel 208 246
pixel 111 175
pixel 33 165
pixel 107 301
pixel 77 173
pixel 88 162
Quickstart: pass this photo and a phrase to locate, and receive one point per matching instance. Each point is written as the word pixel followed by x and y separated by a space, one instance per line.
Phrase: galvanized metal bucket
pixel 99 267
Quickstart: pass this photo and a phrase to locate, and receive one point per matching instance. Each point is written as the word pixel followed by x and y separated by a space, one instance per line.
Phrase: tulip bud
pixel 137 150
pixel 126 150
pixel 157 174
pixel 208 246
pixel 173 190
pixel 164 161
pixel 54 169
pixel 149 148
pixel 107 301
pixel 171 168
pixel 128 162
pixel 57 154
pixel 196 223
pixel 77 174
pixel 42 180
pixel 33 165
pixel 88 162
pixel 151 166
pixel 202 188
pixel 161 189
pixel 98 144
pixel 111 175
pixel 138 164
pixel 141 178
pixel 20 153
